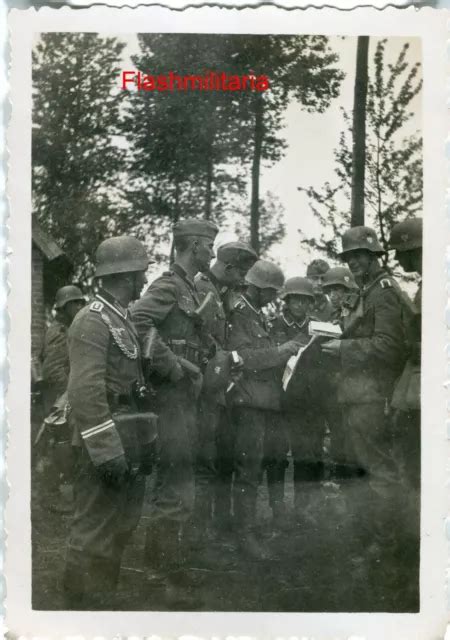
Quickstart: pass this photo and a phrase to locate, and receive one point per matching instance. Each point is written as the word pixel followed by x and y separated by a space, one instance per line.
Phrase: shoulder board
pixel 96 306
pixel 386 283
pixel 167 273
pixel 202 276
pixel 240 304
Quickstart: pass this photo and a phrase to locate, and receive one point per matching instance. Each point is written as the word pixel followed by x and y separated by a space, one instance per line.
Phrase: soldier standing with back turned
pixel 171 303
pixel 114 434
pixel 233 261
pixel 255 399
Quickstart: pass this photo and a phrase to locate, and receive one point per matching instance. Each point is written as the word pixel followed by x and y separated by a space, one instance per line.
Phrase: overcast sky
pixel 311 141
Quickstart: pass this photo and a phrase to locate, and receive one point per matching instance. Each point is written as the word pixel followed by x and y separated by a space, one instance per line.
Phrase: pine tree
pixel 77 164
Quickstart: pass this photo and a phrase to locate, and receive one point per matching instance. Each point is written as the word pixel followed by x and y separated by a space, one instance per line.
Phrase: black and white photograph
pixel 226 252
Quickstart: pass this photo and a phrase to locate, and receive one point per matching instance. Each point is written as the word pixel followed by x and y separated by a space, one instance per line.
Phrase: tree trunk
pixel 175 218
pixel 258 135
pixel 209 181
pixel 359 132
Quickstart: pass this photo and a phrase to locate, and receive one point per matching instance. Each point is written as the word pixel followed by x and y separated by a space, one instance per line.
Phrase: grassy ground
pixel 313 566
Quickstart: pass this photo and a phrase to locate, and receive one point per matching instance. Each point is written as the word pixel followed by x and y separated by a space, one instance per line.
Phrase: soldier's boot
pixel 179 590
pixel 161 547
pixel 73 582
pixel 103 580
pixel 223 519
pixel 197 531
pixel 307 484
pixel 275 484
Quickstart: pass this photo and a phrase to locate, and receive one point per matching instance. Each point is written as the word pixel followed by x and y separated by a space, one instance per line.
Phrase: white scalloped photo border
pixel 430 624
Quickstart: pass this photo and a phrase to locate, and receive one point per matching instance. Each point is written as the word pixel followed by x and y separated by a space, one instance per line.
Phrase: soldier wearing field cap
pixel 219 282
pixel 55 370
pixel 172 303
pixel 315 272
pixel 406 241
pixel 255 397
pixel 371 355
pixel 112 429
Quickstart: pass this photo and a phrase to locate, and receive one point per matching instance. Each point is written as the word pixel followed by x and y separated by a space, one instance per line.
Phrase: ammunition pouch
pixel 217 375
pixel 136 430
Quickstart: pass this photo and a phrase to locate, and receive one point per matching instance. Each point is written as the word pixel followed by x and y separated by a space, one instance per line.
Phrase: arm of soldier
pixel 241 339
pixel 150 311
pixel 88 348
pixel 387 342
pixel 55 363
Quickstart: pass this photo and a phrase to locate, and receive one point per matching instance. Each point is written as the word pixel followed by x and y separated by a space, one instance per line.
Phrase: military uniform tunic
pixel 372 355
pixel 104 364
pixel 255 401
pixel 170 304
pixel 55 363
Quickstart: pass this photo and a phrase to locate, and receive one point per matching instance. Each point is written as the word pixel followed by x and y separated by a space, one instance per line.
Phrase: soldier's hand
pixel 332 347
pixel 114 472
pixel 289 348
pixel 197 384
pixel 177 373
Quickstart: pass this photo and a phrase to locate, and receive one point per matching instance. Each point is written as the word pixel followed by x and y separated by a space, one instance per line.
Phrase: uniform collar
pixel 180 271
pixel 249 304
pixel 294 323
pixel 112 303
pixel 379 276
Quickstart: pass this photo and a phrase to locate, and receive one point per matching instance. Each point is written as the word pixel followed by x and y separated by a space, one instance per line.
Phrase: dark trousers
pixel 275 462
pixel 209 416
pixel 225 464
pixel 177 450
pixel 306 435
pixel 103 522
pixel 251 426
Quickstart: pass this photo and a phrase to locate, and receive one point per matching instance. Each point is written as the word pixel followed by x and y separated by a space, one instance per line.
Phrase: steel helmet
pixel 339 276
pixel 67 294
pixel 406 235
pixel 361 238
pixel 265 275
pixel 297 286
pixel 317 267
pixel 121 254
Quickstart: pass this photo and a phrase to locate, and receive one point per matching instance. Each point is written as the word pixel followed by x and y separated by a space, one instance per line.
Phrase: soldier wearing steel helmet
pixel 406 241
pixel 172 304
pixel 298 419
pixel 55 354
pixel 255 398
pixel 220 281
pixel 114 437
pixel 371 354
pixel 341 288
pixel 315 272
pixel 55 369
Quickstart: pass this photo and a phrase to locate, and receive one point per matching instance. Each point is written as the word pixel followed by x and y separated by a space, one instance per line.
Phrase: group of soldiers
pixel 183 380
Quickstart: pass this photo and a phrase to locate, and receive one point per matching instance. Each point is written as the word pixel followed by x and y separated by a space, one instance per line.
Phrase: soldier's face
pixel 337 295
pixel 359 262
pixel 298 306
pixel 72 308
pixel 140 280
pixel 267 295
pixel 235 276
pixel 409 261
pixel 316 282
pixel 204 253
